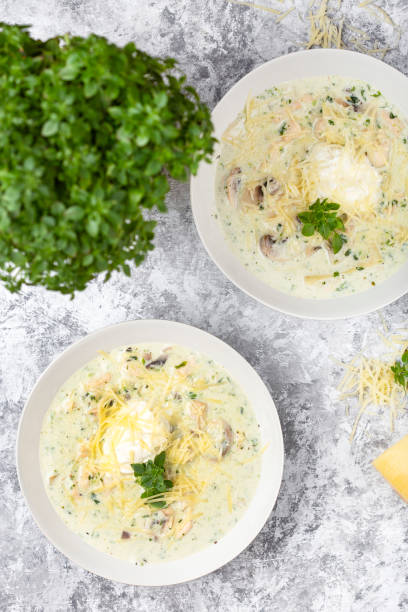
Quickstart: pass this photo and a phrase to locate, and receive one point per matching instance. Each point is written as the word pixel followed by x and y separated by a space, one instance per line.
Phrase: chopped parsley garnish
pixel 353 100
pixel 336 273
pixel 321 217
pixel 377 94
pixel 283 128
pixel 331 121
pixel 181 365
pixel 151 476
pixel 400 370
pixel 392 116
pixel 95 499
pixel 192 395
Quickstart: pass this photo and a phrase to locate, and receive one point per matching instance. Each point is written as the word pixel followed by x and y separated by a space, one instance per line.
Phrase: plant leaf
pixel 50 128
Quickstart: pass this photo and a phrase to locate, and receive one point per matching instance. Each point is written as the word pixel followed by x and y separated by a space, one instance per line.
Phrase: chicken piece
pixel 51 477
pixel 222 436
pixel 378 154
pixel 293 131
pixel 99 381
pixel 198 413
pixel 83 477
pixel 184 528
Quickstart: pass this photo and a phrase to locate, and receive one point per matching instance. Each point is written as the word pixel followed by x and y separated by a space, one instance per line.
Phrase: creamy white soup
pixel 312 187
pixel 150 452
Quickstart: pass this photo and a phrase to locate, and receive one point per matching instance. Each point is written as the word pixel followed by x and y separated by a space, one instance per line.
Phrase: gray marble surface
pixel 337 539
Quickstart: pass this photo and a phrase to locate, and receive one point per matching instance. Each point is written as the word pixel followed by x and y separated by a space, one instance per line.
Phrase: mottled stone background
pixel 337 539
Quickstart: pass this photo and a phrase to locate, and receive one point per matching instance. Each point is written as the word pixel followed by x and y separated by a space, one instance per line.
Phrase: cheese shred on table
pixel 370 382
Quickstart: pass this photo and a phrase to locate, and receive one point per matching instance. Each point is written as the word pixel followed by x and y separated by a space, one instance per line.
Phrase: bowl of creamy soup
pixel 308 205
pixel 150 453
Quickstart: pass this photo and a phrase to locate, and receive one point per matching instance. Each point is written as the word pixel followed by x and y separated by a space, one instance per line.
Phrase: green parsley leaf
pixel 400 371
pixel 308 229
pixel 180 365
pixel 336 242
pixel 283 128
pixel 353 101
pixel 94 498
pixel 150 476
pixel 322 218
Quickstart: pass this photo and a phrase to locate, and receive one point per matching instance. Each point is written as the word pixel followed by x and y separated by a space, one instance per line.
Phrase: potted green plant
pixel 90 134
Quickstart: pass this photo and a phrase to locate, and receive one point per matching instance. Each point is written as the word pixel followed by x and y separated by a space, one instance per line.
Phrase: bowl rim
pixel 77 550
pixel 203 207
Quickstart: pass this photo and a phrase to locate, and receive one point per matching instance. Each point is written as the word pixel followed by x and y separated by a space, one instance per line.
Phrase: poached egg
pixel 139 436
pixel 337 175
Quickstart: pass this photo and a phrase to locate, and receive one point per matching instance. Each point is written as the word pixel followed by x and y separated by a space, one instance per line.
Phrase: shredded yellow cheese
pixel 370 381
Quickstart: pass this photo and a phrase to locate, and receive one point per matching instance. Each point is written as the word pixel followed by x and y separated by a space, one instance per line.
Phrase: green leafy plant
pixel 400 370
pixel 90 134
pixel 321 217
pixel 151 476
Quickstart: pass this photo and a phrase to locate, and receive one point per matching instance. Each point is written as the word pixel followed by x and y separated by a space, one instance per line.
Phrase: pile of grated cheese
pixel 370 382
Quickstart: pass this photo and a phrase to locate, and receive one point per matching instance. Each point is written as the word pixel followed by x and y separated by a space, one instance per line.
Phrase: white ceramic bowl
pixel 73 546
pixel 317 62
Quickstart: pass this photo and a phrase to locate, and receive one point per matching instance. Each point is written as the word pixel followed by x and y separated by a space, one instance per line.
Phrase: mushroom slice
pixel 272 186
pixel 271 246
pixel 252 196
pixel 256 195
pixel 266 244
pixel 157 363
pixel 232 185
pixel 311 250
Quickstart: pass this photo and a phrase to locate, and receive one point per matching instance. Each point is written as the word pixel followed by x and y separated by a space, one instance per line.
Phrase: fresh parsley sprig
pixel 322 217
pixel 400 370
pixel 151 476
